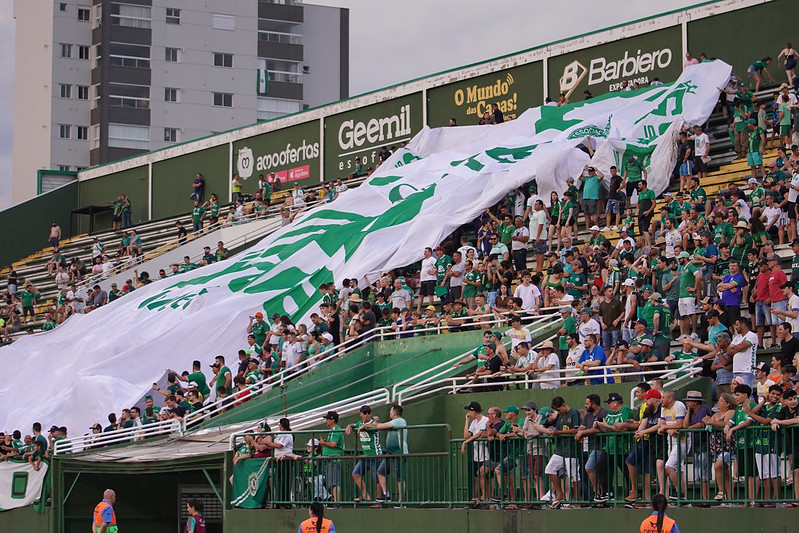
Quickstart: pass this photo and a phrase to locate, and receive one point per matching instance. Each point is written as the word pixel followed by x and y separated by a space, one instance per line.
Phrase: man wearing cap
pixel 777 300
pixel 369 442
pixel 587 325
pixel 475 428
pixel 531 430
pixel 258 328
pixel 591 180
pixel 333 446
pixel 616 447
pixel 597 239
pixel 689 291
pixel 695 419
pixel 546 365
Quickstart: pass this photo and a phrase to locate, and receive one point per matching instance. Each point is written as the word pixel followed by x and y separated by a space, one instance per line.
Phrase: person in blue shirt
pixel 593 356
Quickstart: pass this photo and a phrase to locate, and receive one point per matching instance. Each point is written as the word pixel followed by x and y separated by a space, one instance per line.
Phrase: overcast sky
pixel 394 41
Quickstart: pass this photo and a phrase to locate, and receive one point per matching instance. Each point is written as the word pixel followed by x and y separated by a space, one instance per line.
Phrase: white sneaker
pixel 547 497
pixel 694 336
pixel 719 496
pixel 615 228
pixel 604 229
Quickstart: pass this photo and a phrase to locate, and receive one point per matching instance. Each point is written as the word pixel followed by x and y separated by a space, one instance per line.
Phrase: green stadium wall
pixel 26 226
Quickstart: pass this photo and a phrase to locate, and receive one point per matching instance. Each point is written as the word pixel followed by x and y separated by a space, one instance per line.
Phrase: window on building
pixel 83 52
pixel 82 133
pixel 269 108
pixel 65 90
pixel 62 6
pixel 84 14
pixel 281 70
pixel 79 169
pixel 130 15
pixel 171 55
pixel 66 50
pixel 126 136
pixel 63 168
pixel 98 55
pixel 64 131
pixel 223 22
pixel 170 135
pixel 223 99
pixel 95 137
pixel 223 60
pixel 129 95
pixel 83 92
pixel 170 94
pixel 129 55
pixel 172 15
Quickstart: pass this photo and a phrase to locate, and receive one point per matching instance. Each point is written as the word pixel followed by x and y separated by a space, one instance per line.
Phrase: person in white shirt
pixel 76 298
pixel 427 279
pixel 743 350
pixel 527 292
pixel 538 233
pixel 456 271
pixel 517 333
pixel 473 429
pixel 464 249
pixel 292 351
pixel 547 365
pixel 673 238
pixel 701 151
pixel 762 382
pixel 740 205
pixel 587 325
pixel 772 215
pixel 518 244
pixel 791 314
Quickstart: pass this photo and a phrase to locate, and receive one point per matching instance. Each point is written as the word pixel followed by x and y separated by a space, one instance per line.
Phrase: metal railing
pixel 306 475
pixel 133 262
pixel 520 468
pixel 93 441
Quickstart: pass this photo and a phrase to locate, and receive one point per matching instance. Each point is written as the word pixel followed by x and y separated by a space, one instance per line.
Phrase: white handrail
pixel 135 433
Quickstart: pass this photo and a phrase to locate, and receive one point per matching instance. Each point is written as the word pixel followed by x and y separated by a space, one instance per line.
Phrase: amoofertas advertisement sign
pixel 361 133
pixel 292 154
pixel 605 68
pixel 514 90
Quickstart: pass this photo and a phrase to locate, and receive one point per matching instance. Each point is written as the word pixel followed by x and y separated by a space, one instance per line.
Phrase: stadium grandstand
pixel 578 294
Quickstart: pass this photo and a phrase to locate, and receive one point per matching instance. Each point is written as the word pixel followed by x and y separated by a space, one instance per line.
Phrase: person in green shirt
pixel 197 215
pixel 734 431
pixel 756 70
pixel 757 147
pixel 49 323
pixel 333 446
pixel 443 265
pixel 208 257
pixel 569 326
pixel 221 252
pixel 369 442
pixel 29 295
pixel 679 205
pixel 646 208
pixel 766 445
pixel 258 327
pixel 689 282
pixel 616 446
pixel 698 195
pixel 196 376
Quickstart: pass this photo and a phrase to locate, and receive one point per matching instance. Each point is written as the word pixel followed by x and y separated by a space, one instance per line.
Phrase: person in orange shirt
pixel 658 522
pixel 317 523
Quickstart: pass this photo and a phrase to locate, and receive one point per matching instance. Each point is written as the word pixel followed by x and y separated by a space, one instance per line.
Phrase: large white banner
pixel 20 484
pixel 104 361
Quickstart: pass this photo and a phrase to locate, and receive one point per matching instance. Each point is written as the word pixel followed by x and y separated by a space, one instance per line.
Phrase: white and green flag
pixel 444 178
pixel 263 81
pixel 20 484
pixel 250 478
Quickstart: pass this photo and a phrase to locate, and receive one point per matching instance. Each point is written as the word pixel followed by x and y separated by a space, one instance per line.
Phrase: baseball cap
pixel 752 121
pixel 585 310
pixel 622 344
pixel 667 193
pixel 331 415
pixel 328 336
pixel 312 442
pixel 593 228
pixel 96 426
pixel 656 296
pixel 686 255
pixel 491 345
pixel 795 379
pixel 566 310
pixel 193 384
pixel 366 409
pixel 652 393
pixel 776 258
pixel 474 406
pixel 624 229
pixel 642 321
pixel 530 404
pixel 762 366
pixel 511 409
pixel 628 283
pixel 614 397
pixel 647 342
pixel 430 308
pixel 148 397
pixel 259 315
pixel 752 180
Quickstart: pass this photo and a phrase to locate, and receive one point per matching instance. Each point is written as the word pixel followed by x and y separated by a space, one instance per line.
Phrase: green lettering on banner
pixel 292 291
